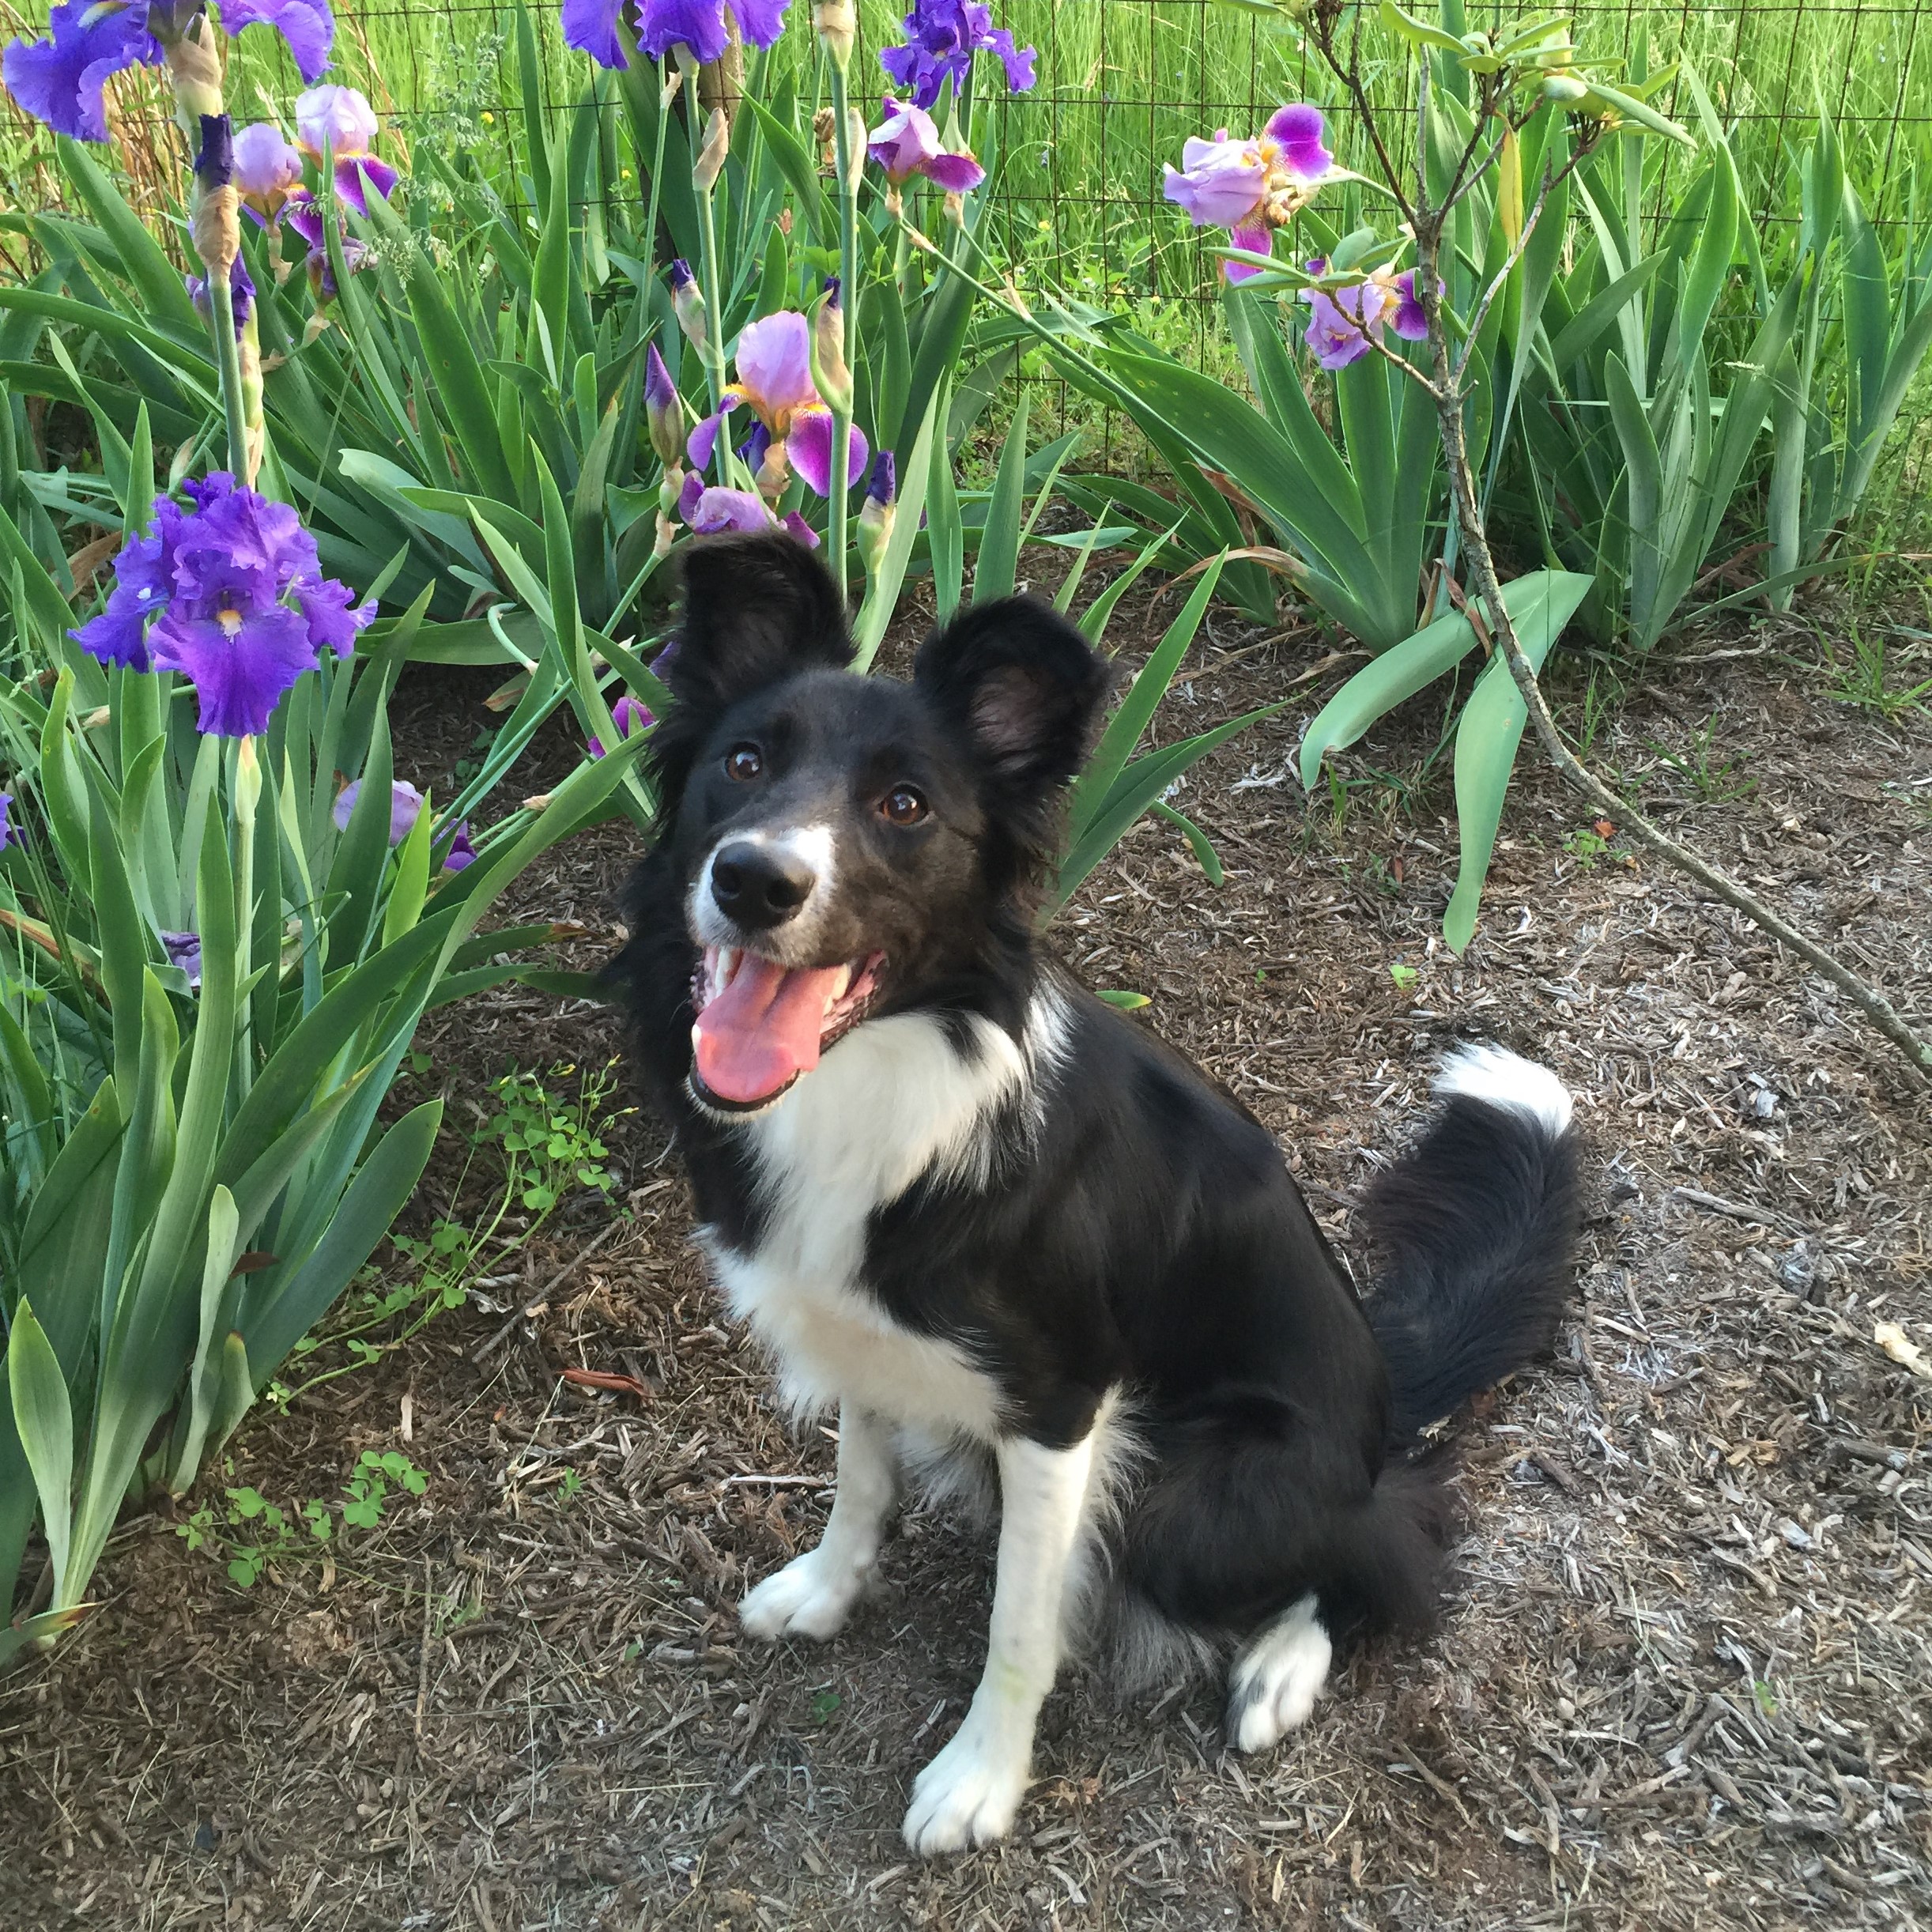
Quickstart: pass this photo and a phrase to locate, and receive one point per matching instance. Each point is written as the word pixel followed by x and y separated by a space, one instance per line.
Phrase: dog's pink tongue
pixel 762 1029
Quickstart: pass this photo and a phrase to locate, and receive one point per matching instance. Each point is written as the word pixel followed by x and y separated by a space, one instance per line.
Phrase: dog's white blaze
pixel 1277 1677
pixel 814 847
pixel 895 1100
pixel 968 1794
pixel 1484 1071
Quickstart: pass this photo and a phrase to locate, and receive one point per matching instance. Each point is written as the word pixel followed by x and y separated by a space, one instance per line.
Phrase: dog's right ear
pixel 756 609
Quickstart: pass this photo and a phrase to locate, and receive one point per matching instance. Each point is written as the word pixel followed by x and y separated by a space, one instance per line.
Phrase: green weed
pixel 545 1142
pixel 1714 780
pixel 247 1533
pixel 1865 680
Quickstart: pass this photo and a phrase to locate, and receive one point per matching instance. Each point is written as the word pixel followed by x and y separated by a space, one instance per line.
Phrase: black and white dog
pixel 993 1220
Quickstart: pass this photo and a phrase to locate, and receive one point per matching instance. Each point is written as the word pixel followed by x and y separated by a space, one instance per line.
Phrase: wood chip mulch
pixel 1683 1681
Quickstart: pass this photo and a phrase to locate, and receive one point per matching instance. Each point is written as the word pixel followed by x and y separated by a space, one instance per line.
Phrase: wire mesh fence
pixel 1076 203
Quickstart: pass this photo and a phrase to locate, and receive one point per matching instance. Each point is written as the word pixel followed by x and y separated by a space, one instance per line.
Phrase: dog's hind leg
pixel 968 1794
pixel 814 1594
pixel 1277 1677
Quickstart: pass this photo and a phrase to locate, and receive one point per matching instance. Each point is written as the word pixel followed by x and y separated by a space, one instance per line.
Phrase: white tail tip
pixel 1483 1071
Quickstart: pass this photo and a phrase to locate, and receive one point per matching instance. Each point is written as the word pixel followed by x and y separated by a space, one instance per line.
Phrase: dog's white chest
pixel 893 1102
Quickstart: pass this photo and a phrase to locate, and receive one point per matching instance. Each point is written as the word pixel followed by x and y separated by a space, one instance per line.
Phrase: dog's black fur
pixel 1148 1239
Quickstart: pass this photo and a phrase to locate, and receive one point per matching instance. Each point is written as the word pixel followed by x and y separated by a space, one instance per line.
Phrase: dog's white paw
pixel 1276 1679
pixel 809 1598
pixel 968 1794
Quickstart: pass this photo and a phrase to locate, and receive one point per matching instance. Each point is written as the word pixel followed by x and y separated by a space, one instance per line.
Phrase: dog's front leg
pixel 813 1594
pixel 968 1794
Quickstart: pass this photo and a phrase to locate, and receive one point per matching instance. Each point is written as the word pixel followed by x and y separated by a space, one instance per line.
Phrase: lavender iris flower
pixel 231 595
pixel 267 170
pixel 709 511
pixel 405 806
pixel 1408 321
pixel 659 25
pixel 1342 321
pixel 307 26
pixel 941 38
pixel 60 80
pixel 10 834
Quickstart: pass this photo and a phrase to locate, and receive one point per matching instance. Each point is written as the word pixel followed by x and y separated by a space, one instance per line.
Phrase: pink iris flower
pixel 1251 187
pixel 907 143
pixel 774 380
pixel 339 121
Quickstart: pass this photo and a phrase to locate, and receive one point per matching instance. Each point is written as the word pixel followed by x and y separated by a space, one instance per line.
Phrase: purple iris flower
pixel 907 143
pixel 304 216
pixel 1341 321
pixel 307 26
pixel 10 834
pixel 659 25
pixel 232 596
pixel 241 293
pixel 462 852
pixel 60 80
pixel 628 715
pixel 941 38
pixel 1251 187
pixel 184 950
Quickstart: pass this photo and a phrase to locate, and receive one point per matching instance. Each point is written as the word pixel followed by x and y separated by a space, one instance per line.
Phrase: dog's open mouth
pixel 761 1025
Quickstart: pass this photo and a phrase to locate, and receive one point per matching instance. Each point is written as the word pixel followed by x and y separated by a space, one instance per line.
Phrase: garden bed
pixel 1682 1681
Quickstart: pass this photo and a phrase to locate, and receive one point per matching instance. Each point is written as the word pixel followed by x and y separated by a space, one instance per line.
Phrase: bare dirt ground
pixel 1682 1680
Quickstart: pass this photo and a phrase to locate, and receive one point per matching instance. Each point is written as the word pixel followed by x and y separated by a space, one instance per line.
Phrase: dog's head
pixel 848 847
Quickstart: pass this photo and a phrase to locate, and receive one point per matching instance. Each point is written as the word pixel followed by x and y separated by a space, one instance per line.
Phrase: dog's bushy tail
pixel 1476 1229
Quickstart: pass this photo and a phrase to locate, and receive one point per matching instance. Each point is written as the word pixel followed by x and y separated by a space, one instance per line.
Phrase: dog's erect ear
pixel 1022 684
pixel 756 609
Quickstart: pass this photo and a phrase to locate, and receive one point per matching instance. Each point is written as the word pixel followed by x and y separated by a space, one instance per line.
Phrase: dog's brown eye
pixel 902 805
pixel 743 762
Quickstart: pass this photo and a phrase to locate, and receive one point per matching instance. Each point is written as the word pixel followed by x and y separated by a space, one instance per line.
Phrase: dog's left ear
pixel 1022 683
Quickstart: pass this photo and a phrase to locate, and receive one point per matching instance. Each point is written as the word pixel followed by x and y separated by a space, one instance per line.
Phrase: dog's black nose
pixel 759 886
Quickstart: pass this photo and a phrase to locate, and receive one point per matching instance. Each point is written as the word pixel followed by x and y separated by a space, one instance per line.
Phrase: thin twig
pixel 535 1306
pixel 1877 1009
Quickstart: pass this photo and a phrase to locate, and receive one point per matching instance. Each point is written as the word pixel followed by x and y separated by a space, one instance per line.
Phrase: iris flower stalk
pixel 704 179
pixel 835 21
pixel 194 62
